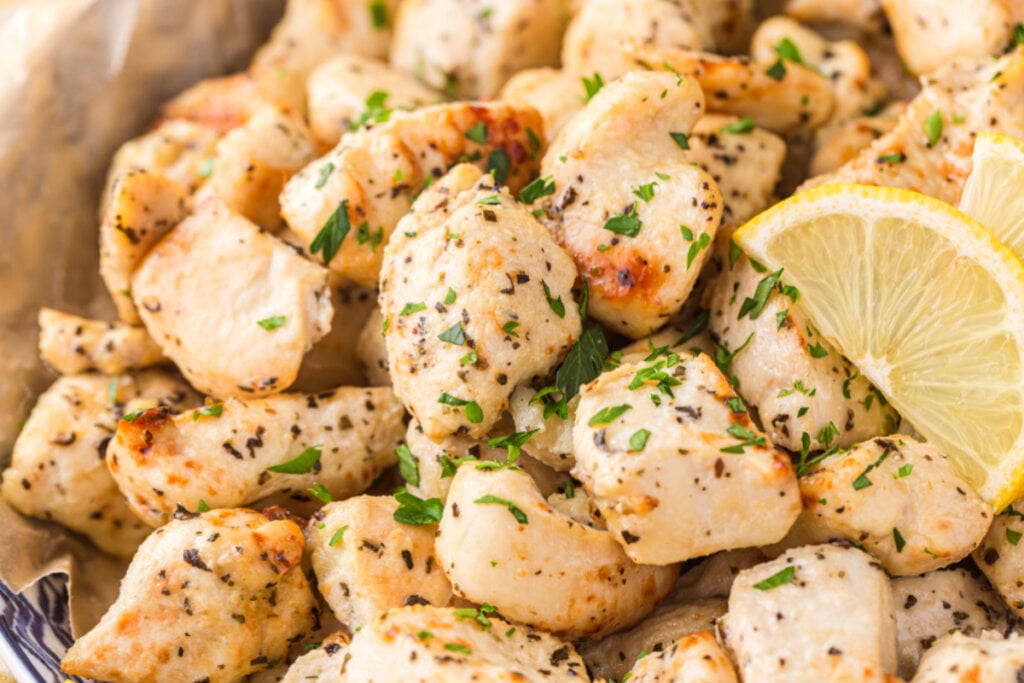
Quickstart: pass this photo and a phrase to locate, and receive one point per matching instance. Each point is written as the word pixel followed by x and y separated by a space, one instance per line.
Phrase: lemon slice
pixel 925 302
pixel 993 194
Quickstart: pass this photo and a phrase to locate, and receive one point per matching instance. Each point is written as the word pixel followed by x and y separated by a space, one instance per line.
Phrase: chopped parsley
pixel 450 297
pixel 415 511
pixel 478 133
pixel 272 323
pixel 321 492
pixel 933 127
pixel 300 464
pixel 325 173
pixel 606 415
pixel 498 164
pixel 754 306
pixel 748 436
pixel 735 404
pixel 897 537
pixel 744 125
pixel 681 140
pixel 626 224
pixel 202 506
pixel 408 466
pixel 332 234
pixel 1013 536
pixel 411 308
pixel 724 357
pixel 134 415
pixel 337 536
pixel 376 111
pixel 638 440
pixel 592 86
pixel 817 351
pixel 510 328
pixel 862 482
pixel 583 363
pixel 904 471
pixel 479 615
pixel 777 579
pixel 454 335
pixel 541 187
pixel 455 647
pixel 646 191
pixel 556 304
pixel 894 158
pixel 212 411
pixel 700 323
pixel 474 413
pixel 700 245
pixel 512 443
pixel 488 499
pixel 379 14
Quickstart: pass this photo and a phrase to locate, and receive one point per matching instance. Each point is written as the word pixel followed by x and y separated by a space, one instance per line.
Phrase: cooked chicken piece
pixel 247 450
pixel 782 96
pixel 934 604
pixel 501 543
pixel 366 562
pixel 226 102
pixel 57 468
pixel 367 183
pixel 746 162
pixel 469 49
pixel 795 379
pixel 334 361
pixel 676 466
pixel 628 205
pixel 373 351
pixel 976 29
pixel 233 307
pixel 422 644
pixel 865 15
pixel 842 62
pixel 476 303
pixel 713 577
pixel 732 23
pixel 208 597
pixel 818 613
pixel 142 208
pixel 325 664
pixel 349 90
pixel 805 531
pixel 612 656
pixel 70 345
pixel 836 144
pixel 969 96
pixel 179 150
pixel 554 93
pixel 600 26
pixel 313 31
pixel 957 658
pixel 695 657
pixel 552 444
pixel 253 162
pixel 902 501
pixel 436 463
pixel 1001 558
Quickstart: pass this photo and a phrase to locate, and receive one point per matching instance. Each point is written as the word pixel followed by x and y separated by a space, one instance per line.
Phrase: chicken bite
pixel 373 351
pixel 354 196
pixel 469 49
pixel 421 643
pixel 807 395
pixel 233 307
pixel 325 664
pixel 366 562
pixel 676 466
pixel 212 597
pixel 695 657
pixel 142 208
pixel 957 658
pixel 501 543
pixel 226 102
pixel 818 613
pixel 57 468
pixel 836 144
pixel 239 452
pixel 349 90
pixel 253 161
pixel 552 442
pixel 934 604
pixel 901 500
pixel 476 303
pixel 556 94
pixel 1001 558
pixel 70 344
pixel 628 206
pixel 962 98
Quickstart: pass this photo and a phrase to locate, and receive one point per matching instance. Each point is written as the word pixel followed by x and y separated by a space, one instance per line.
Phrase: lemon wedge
pixel 925 302
pixel 992 195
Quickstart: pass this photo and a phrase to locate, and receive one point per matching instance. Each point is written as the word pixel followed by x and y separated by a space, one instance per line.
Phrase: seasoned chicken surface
pixel 970 96
pixel 552 441
pixel 695 657
pixel 818 613
pixel 477 301
pixel 838 143
pixel 252 163
pixel 237 452
pixel 958 658
pixel 501 543
pixel 356 194
pixel 468 49
pixel 226 102
pixel 800 386
pixel 233 307
pixel 676 466
pixel 901 500
pixel 324 664
pixel 349 90
pixel 941 602
pixel 1001 558
pixel 71 344
pixel 142 207
pixel 425 644
pixel 57 468
pixel 628 206
pixel 555 93
pixel 366 562
pixel 209 597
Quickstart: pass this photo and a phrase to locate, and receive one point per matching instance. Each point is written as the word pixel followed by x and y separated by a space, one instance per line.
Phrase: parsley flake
pixel 638 440
pixel 754 306
pixel 300 464
pixel 681 140
pixel 606 415
pixel 541 187
pixel 212 411
pixel 454 335
pixel 556 304
pixel 337 536
pixel 897 537
pixel 332 234
pixel 478 133
pixel 744 125
pixel 488 499
pixel 415 511
pixel 408 466
pixel 325 173
pixel 498 164
pixel 777 579
pixel 411 308
pixel 592 86
pixel 272 323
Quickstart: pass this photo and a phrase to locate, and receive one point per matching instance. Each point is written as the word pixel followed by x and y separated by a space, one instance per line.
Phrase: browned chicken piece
pixel 212 597
pixel 356 194
pixel 694 657
pixel 233 307
pixel 70 344
pixel 57 470
pixel 1001 556
pixel 957 658
pixel 324 664
pixel 227 102
pixel 238 452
